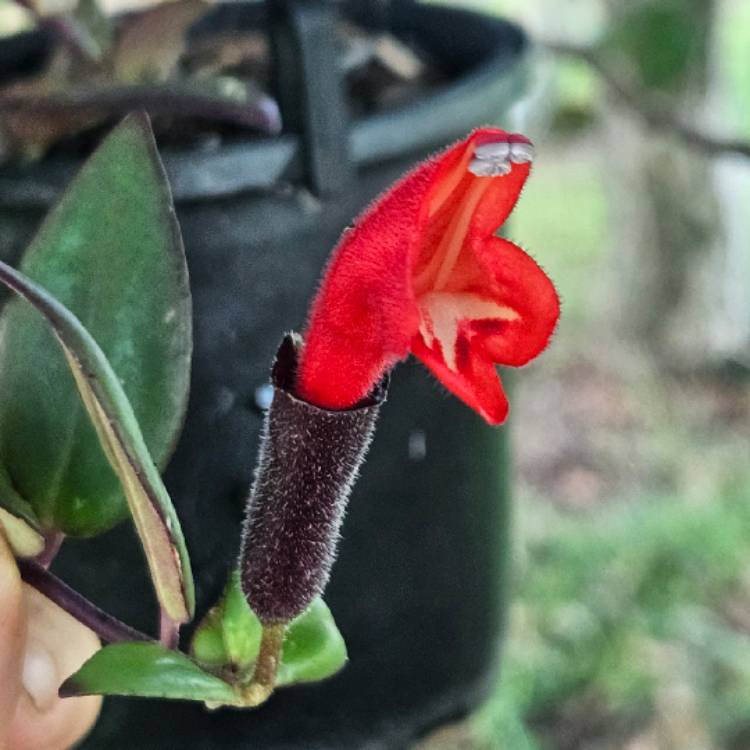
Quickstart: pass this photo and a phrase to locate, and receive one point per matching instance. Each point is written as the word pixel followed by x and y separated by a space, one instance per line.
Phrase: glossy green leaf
pixel 110 411
pixel 230 634
pixel 148 670
pixel 111 253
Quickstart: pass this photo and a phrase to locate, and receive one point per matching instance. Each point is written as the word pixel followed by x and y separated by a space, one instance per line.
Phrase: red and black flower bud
pixel 309 458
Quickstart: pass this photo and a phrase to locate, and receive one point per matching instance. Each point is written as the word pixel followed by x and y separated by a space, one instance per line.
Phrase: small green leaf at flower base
pixel 242 630
pixel 230 634
pixel 208 641
pixel 313 648
pixel 147 670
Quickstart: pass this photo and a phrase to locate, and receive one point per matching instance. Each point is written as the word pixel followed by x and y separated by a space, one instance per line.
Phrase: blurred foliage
pixel 662 41
pixel 575 111
pixel 733 39
pixel 565 230
pixel 99 67
pixel 630 622
pixel 615 612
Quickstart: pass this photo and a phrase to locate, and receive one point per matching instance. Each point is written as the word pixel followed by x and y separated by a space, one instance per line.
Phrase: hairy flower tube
pixel 308 462
pixel 422 272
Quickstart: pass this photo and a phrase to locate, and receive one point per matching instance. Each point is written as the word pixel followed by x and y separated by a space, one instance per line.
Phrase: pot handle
pixel 308 83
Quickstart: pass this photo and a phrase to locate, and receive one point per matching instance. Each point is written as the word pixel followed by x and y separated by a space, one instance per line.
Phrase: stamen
pixel 521 152
pixel 450 246
pixel 493 151
pixel 489 168
pixel 448 184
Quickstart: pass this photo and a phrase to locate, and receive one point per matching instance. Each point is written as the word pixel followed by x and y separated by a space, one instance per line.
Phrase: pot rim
pixel 479 95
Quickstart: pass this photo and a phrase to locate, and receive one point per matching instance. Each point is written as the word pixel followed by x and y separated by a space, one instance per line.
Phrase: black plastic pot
pixel 418 588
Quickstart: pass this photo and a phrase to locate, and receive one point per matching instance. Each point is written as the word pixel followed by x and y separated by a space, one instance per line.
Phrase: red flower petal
pixel 422 271
pixel 365 313
pixel 464 334
pixel 524 287
pixel 476 383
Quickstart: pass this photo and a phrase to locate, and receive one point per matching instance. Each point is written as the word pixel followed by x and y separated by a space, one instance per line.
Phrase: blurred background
pixel 630 620
pixel 630 623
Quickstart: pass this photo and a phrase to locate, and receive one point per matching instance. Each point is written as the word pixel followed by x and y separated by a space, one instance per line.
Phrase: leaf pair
pixel 224 649
pixel 108 264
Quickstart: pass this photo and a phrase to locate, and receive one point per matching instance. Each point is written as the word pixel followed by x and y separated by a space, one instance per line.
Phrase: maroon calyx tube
pixel 308 462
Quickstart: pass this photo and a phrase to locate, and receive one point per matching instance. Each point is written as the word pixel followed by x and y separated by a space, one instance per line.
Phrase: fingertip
pixel 12 635
pixel 57 646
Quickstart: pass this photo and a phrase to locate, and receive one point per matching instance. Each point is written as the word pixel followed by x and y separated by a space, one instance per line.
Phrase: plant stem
pixel 52 544
pixel 262 683
pixel 108 628
pixel 169 631
pixel 654 113
pixel 67 29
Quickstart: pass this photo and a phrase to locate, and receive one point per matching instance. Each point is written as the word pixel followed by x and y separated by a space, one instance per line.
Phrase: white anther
pixel 521 152
pixel 487 168
pixel 493 151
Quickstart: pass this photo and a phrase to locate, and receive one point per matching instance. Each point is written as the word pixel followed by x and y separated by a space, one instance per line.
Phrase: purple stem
pixel 52 544
pixel 108 628
pixel 157 99
pixel 169 631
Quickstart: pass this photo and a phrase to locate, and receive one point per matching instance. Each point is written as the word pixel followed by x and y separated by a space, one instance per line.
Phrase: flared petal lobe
pixel 463 335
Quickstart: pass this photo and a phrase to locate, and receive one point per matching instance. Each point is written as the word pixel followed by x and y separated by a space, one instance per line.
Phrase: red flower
pixel 422 271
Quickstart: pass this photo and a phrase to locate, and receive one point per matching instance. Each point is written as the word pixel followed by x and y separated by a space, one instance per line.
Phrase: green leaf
pixel 108 406
pixel 230 634
pixel 242 630
pixel 111 253
pixel 148 670
pixel 208 640
pixel 313 648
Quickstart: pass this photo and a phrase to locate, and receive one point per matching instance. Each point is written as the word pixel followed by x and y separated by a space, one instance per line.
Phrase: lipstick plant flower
pixel 423 272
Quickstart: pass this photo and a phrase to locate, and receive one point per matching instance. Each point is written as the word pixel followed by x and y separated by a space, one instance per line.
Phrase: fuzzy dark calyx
pixel 309 459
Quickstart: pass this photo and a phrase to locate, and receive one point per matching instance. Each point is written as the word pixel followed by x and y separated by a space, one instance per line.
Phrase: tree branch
pixel 655 115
